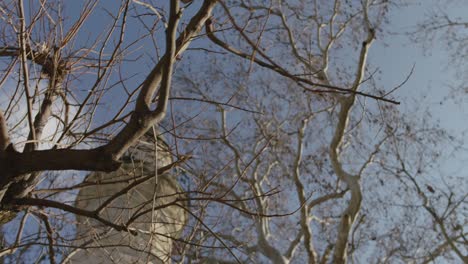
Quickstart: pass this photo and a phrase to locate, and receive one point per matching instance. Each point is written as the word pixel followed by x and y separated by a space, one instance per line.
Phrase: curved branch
pixel 349 215
pixel 143 118
pixel 277 68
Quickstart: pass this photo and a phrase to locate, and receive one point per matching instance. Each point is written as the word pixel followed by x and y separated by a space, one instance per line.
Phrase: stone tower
pixel 155 223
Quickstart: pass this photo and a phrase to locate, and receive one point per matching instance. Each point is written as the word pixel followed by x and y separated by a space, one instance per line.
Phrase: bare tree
pixel 335 158
pixel 274 143
pixel 47 53
pixel 59 69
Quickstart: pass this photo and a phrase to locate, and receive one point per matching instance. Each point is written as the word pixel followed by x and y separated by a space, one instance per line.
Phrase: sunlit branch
pixel 4 138
pixel 22 38
pixel 305 218
pixel 352 182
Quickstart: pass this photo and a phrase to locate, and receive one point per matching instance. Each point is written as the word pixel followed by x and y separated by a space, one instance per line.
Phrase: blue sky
pixel 395 55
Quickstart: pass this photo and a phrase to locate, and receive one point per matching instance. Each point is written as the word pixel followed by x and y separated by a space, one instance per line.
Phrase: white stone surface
pixel 153 244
